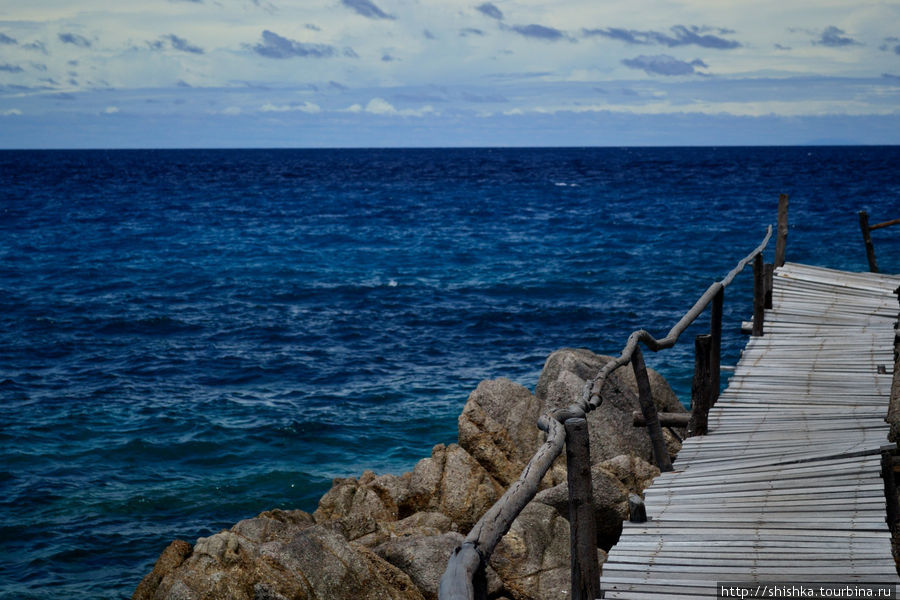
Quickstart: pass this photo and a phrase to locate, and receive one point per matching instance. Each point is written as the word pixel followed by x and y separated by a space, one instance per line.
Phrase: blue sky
pixel 371 73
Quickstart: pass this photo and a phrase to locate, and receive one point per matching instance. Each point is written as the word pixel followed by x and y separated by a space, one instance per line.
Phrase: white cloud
pixel 380 106
pixel 12 112
pixel 779 108
pixel 110 110
pixel 436 73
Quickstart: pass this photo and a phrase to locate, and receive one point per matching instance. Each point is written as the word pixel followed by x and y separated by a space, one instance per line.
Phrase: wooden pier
pixel 786 486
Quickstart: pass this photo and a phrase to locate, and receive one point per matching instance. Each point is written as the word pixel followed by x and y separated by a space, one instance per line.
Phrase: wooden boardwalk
pixel 786 486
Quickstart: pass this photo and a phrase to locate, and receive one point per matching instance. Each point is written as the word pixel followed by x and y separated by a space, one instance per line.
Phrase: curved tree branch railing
pixel 465 577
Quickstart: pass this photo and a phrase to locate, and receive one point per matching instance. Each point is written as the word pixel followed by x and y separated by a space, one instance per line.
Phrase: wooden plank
pixel 787 482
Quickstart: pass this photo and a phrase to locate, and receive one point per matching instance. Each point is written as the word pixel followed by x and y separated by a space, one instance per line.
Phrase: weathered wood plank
pixel 786 483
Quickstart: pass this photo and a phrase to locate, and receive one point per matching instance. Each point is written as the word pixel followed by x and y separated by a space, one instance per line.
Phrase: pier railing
pixel 867 238
pixel 465 576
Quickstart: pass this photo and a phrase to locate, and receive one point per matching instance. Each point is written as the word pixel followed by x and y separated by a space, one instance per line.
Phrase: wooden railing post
pixel 715 344
pixel 701 390
pixel 759 292
pixel 645 397
pixel 582 527
pixel 867 239
pixel 769 270
pixel 892 517
pixel 637 510
pixel 781 237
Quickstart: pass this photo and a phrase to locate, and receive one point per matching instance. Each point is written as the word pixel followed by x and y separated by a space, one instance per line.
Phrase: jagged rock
pixel 452 482
pixel 532 559
pixel 424 559
pixel 280 556
pixel 498 427
pixel 416 520
pixel 419 524
pixel 634 473
pixel 378 497
pixel 611 431
pixel 271 525
pixel 170 559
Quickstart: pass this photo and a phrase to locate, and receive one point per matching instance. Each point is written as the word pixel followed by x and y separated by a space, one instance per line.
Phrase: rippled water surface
pixel 188 338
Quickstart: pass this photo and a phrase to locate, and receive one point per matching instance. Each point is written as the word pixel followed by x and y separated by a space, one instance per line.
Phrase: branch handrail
pixel 867 239
pixel 591 396
pixel 467 563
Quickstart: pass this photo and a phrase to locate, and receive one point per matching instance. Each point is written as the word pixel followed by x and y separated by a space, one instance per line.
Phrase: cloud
pixel 470 31
pixel 75 39
pixel 110 110
pixel 681 36
pixel 388 58
pixel 629 36
pixel 232 111
pixel 11 68
pixel 182 44
pixel 367 9
pixel 306 107
pixel 39 46
pixel 490 10
pixel 780 47
pixel 275 46
pixel 12 112
pixel 380 106
pixel 428 35
pixel 834 37
pixel 540 32
pixel 5 39
pixel 663 64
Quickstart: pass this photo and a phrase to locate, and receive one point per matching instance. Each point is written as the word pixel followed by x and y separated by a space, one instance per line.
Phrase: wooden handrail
pixel 591 395
pixel 472 556
pixel 464 578
pixel 885 224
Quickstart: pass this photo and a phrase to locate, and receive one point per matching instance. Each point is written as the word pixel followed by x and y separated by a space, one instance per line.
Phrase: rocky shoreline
pixel 389 536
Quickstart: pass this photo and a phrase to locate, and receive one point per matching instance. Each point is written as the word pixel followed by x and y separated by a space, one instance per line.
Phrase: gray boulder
pixel 277 556
pixel 611 431
pixel 612 481
pixel 424 559
pixel 532 559
pixel 421 524
pixel 498 428
pixel 360 504
pixel 453 483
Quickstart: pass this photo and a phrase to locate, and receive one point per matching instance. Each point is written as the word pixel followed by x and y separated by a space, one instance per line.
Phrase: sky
pixel 386 73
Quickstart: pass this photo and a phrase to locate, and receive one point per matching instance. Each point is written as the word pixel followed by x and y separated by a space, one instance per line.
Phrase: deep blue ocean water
pixel 188 338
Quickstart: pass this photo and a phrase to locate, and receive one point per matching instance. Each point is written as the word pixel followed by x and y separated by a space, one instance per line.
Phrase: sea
pixel 191 337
